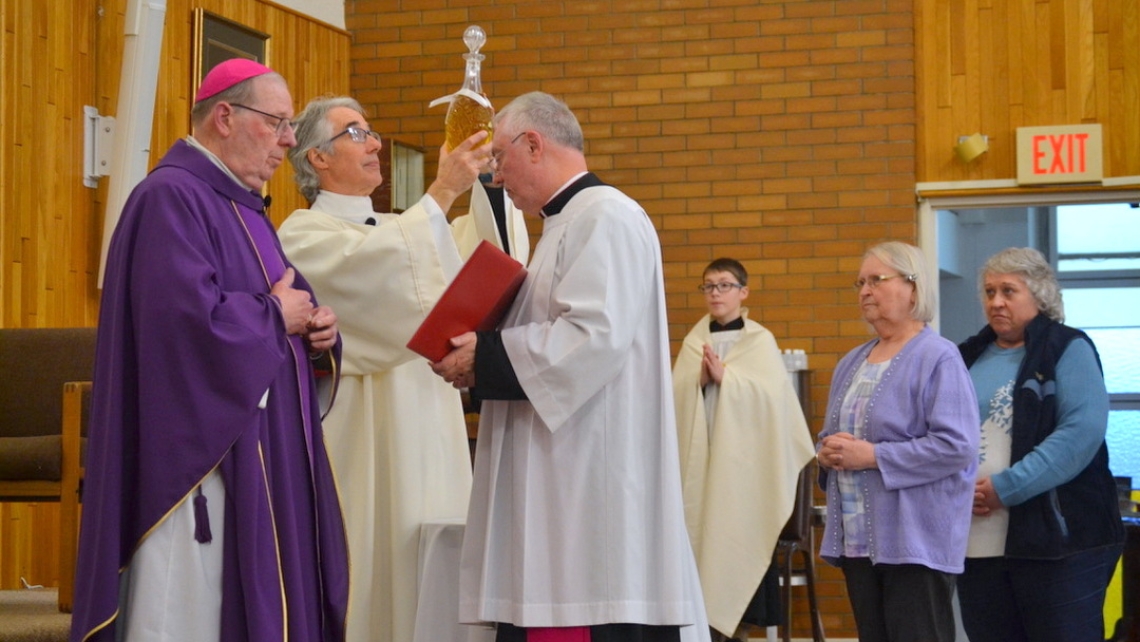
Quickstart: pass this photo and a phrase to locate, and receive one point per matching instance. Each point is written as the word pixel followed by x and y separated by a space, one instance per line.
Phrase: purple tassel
pixel 201 519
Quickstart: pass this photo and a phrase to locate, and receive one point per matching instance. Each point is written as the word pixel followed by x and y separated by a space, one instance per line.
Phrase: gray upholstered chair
pixel 43 410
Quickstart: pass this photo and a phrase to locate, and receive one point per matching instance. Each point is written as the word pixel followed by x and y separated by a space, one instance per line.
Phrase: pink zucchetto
pixel 228 73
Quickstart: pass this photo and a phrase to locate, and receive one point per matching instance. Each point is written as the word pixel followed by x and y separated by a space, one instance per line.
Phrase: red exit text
pixel 1060 154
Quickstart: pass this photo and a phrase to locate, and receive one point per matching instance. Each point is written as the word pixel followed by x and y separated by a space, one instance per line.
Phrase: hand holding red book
pixel 475 301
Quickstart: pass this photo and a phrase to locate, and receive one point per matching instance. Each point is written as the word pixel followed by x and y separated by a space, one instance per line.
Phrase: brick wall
pixel 778 132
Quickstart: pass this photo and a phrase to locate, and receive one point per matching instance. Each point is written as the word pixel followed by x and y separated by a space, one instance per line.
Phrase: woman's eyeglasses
pixel 876 279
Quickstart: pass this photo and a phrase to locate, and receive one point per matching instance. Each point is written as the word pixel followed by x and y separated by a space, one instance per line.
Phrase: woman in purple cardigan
pixel 897 457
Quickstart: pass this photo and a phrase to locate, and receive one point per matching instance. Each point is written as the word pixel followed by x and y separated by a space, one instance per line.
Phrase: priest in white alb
pixel 576 530
pixel 397 435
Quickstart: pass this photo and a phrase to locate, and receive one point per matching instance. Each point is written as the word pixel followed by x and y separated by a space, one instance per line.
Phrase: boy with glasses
pixel 743 441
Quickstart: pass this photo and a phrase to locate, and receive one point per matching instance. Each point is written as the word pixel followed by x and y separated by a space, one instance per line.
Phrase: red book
pixel 475 301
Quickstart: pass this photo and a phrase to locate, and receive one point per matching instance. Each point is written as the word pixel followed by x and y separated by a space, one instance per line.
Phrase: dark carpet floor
pixel 31 615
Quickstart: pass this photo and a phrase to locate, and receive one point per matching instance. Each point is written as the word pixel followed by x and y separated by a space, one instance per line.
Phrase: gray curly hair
pixel 314 131
pixel 1034 269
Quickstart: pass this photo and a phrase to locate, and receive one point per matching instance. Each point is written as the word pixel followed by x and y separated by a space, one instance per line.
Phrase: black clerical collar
pixel 737 324
pixel 589 179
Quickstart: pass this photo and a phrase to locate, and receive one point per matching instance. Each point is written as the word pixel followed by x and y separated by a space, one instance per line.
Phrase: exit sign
pixel 1061 154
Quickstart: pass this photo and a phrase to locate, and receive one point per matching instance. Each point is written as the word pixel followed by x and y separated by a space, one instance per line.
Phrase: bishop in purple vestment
pixel 214 365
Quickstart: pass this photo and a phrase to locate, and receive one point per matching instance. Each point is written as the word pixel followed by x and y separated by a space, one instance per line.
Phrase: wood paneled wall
pixel 53 55
pixel 56 58
pixel 991 66
pixel 50 51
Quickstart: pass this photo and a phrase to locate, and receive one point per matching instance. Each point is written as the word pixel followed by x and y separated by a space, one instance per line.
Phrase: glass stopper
pixel 474 37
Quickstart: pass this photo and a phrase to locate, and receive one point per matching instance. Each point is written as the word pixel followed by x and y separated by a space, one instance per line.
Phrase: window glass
pixel 1123 445
pixel 1120 357
pixel 1111 317
pixel 1109 228
pixel 1101 307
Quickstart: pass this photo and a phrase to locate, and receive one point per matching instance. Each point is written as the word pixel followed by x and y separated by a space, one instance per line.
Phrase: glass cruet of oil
pixel 469 110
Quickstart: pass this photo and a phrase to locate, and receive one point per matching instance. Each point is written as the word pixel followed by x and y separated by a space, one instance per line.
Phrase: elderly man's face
pixel 513 161
pixel 259 147
pixel 353 167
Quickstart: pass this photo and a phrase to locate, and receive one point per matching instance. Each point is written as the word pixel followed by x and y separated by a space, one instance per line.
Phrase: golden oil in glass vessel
pixel 469 110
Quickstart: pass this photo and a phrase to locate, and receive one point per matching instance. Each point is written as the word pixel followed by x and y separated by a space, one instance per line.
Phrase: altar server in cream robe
pixel 743 442
pixel 397 435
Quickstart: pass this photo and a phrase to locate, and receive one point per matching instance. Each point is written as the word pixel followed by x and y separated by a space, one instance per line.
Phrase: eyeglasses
pixel 723 288
pixel 281 125
pixel 496 155
pixel 357 134
pixel 876 279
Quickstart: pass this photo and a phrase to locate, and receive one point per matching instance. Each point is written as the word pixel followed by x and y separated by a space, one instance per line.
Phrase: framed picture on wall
pixel 402 166
pixel 217 39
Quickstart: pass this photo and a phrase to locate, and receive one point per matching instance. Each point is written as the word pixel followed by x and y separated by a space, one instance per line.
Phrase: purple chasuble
pixel 264 238
pixel 189 341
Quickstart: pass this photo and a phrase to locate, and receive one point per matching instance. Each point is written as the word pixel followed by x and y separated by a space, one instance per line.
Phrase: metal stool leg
pixel 786 588
pixel 813 604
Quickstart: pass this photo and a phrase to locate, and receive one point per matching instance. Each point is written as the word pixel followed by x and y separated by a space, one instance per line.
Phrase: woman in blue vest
pixel 1046 531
